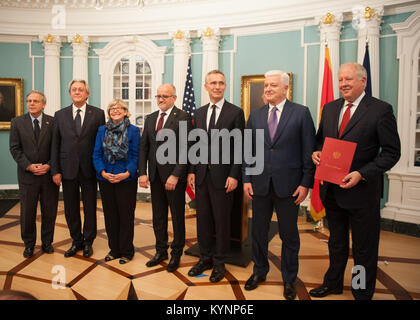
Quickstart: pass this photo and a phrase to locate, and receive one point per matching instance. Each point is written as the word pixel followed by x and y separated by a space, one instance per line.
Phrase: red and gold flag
pixel 327 95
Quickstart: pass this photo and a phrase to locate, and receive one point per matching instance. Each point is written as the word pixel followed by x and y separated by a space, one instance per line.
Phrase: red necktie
pixel 345 120
pixel 160 122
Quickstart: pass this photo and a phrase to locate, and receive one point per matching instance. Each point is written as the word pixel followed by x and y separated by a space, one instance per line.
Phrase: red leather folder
pixel 336 158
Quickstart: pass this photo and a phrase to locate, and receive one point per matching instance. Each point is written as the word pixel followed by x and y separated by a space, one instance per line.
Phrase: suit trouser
pixel 161 199
pixel 119 205
pixel 287 214
pixel 214 209
pixel 365 228
pixel 47 194
pixel 71 194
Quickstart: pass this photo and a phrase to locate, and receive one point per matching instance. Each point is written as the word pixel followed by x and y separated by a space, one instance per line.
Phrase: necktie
pixel 36 129
pixel 160 122
pixel 272 123
pixel 345 120
pixel 78 122
pixel 212 123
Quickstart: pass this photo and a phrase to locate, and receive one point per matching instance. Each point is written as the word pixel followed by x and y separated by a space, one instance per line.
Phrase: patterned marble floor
pixel 53 277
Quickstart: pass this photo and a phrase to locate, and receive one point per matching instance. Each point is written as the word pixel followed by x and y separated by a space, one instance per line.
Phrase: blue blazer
pixel 131 163
pixel 287 160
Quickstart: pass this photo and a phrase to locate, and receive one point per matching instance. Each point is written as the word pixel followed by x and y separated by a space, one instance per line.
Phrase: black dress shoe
pixel 253 281
pixel 47 248
pixel 158 258
pixel 218 273
pixel 124 260
pixel 200 267
pixel 72 251
pixel 323 291
pixel 289 291
pixel 173 263
pixel 87 250
pixel 28 252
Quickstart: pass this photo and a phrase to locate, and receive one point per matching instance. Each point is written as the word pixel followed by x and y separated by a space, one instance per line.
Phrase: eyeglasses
pixel 116 109
pixel 162 97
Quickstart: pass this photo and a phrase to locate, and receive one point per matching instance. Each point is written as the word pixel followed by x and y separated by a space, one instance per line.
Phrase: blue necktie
pixel 272 123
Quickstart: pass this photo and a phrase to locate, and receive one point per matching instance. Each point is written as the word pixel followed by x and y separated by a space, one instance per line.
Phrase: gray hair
pixel 170 85
pixel 215 71
pixel 360 70
pixel 283 75
pixel 82 81
pixel 121 103
pixel 44 98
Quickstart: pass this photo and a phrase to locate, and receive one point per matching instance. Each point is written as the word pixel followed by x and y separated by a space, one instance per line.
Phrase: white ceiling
pixel 159 17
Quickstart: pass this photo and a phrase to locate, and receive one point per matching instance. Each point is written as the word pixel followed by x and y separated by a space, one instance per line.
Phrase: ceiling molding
pixel 254 16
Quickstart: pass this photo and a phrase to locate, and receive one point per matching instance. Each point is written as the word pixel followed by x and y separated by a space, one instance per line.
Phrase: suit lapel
pixel 152 126
pixel 44 128
pixel 358 114
pixel 27 124
pixel 203 120
pixel 264 120
pixel 87 119
pixel 172 116
pixel 222 115
pixel 336 116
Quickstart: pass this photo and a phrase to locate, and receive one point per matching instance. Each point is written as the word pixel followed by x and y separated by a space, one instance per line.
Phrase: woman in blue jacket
pixel 115 158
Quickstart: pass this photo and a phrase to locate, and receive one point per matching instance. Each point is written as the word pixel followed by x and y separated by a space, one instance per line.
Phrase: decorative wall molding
pixel 367 20
pixel 210 38
pixel 181 42
pixel 115 50
pixel 126 21
pixel 52 45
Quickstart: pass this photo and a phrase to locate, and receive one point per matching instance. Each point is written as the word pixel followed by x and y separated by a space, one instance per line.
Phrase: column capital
pixel 367 20
pixel 330 25
pixel 181 40
pixel 80 44
pixel 51 43
pixel 210 38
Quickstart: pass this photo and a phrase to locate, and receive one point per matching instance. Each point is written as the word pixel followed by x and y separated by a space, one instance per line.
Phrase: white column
pixel 368 21
pixel 210 39
pixel 182 50
pixel 330 26
pixel 52 46
pixel 80 57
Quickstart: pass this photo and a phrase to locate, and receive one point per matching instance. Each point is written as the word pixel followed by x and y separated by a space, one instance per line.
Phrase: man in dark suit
pixel 289 140
pixel 370 123
pixel 30 146
pixel 74 135
pixel 168 181
pixel 214 182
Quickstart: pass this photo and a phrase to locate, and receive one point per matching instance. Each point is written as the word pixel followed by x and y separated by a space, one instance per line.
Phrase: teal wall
pixel 255 54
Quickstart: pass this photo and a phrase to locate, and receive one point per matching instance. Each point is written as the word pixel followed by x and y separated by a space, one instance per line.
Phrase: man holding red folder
pixel 355 202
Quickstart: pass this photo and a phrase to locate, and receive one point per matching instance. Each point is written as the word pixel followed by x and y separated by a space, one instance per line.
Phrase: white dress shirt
pixel 219 106
pixel 352 108
pixel 39 120
pixel 279 110
pixel 82 113
pixel 167 113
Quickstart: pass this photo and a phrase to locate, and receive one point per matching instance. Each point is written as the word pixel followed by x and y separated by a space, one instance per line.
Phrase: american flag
pixel 188 103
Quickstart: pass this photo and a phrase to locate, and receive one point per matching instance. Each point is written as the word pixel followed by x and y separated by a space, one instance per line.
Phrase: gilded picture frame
pixel 11 100
pixel 252 89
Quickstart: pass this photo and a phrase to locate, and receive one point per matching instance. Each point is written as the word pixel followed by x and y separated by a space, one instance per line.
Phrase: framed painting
pixel 252 91
pixel 11 101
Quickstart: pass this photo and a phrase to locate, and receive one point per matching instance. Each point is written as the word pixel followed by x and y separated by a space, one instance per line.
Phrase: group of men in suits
pixel 292 148
pixel 51 151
